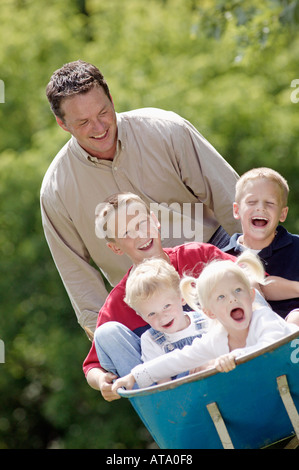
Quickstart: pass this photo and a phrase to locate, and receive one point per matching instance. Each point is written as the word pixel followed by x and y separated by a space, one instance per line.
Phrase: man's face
pixel 90 117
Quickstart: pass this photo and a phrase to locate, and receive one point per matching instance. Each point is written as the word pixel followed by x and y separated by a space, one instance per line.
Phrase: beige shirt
pixel 162 158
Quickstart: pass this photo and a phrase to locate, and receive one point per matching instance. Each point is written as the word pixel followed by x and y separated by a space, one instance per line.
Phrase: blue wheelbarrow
pixel 252 407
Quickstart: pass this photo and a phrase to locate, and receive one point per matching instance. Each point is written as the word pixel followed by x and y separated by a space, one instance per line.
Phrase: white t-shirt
pixel 242 247
pixel 151 348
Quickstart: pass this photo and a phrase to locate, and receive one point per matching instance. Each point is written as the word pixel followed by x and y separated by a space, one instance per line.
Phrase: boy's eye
pixel 141 224
pixel 238 290
pixel 220 297
pixel 151 314
pixel 166 306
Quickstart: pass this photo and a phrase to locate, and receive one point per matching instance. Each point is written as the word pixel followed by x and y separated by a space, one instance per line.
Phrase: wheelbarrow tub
pixel 246 403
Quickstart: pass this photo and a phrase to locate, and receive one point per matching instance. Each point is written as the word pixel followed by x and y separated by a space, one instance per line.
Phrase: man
pixel 153 153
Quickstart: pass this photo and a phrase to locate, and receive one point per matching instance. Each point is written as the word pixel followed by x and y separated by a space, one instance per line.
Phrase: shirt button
pixel 115 168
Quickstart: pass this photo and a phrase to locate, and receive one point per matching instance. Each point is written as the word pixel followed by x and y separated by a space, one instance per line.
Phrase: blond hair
pixel 266 173
pixel 105 210
pixel 197 292
pixel 149 277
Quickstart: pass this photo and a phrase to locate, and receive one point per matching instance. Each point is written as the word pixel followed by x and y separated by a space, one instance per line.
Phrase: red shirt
pixel 189 258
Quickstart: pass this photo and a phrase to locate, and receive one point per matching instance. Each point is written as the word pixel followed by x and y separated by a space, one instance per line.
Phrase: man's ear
pixel 61 124
pixel 115 248
pixel 111 99
pixel 236 211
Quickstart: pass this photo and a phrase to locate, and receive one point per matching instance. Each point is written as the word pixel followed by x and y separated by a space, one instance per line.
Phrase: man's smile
pixel 100 136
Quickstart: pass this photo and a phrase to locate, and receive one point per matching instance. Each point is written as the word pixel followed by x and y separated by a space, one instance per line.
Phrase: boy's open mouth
pixel 237 314
pixel 259 221
pixel 169 324
pixel 146 245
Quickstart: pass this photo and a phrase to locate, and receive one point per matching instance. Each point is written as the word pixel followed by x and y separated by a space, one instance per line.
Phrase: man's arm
pixel 83 283
pixel 209 175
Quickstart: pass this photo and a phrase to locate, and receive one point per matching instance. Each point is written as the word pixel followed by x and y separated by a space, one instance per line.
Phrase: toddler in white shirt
pixel 237 327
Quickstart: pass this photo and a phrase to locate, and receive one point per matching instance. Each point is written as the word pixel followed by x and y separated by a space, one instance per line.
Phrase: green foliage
pixel 227 66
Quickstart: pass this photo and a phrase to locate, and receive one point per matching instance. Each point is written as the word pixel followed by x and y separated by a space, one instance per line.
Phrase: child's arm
pixel 280 288
pixel 204 367
pixel 223 363
pixel 163 381
pixel 200 352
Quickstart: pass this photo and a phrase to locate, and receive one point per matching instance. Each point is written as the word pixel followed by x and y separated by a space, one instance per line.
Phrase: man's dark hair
pixel 71 79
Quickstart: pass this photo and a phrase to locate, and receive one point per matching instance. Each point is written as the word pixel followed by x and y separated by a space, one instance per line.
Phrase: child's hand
pixel 127 382
pixel 225 363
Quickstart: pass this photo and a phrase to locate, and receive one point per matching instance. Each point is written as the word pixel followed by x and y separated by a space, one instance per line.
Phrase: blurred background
pixel 227 66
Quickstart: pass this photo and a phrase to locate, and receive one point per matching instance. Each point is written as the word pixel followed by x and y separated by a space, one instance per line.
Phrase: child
pixel 224 292
pixel 260 204
pixel 153 291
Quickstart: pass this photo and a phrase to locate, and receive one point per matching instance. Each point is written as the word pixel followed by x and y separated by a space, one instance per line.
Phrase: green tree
pixel 227 66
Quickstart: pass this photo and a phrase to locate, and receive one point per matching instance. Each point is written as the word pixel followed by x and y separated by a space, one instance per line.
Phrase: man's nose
pixel 98 126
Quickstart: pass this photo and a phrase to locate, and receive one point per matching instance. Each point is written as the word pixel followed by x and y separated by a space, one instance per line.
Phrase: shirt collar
pixel 98 160
pixel 121 131
pixel 233 243
pixel 281 240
